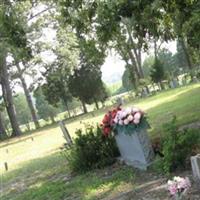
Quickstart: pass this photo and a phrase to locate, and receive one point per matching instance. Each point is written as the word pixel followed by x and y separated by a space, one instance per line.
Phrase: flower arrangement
pixel 178 186
pixel 129 119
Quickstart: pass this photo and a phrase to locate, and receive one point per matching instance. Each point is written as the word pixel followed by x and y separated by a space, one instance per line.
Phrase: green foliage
pixel 22 109
pixel 45 110
pixel 147 64
pixel 91 150
pixel 157 72
pixel 127 80
pixel 178 146
pixel 86 84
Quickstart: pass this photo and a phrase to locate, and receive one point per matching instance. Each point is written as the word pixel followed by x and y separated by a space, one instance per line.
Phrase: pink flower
pixel 137 116
pixel 183 183
pixel 178 185
pixel 136 121
pixel 172 188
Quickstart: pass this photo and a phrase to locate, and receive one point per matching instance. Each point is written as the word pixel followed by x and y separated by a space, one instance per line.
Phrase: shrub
pixel 178 146
pixel 91 150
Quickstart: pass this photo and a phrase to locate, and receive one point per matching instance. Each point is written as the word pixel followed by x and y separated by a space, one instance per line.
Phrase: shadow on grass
pixel 48 178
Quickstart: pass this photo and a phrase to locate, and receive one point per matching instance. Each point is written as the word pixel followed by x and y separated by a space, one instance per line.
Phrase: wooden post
pixel 65 133
pixel 6 166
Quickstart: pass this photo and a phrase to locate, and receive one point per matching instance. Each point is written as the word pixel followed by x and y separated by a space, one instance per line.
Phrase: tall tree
pixel 158 73
pixel 12 38
pixel 28 96
pixel 8 99
pixel 2 128
pixel 56 75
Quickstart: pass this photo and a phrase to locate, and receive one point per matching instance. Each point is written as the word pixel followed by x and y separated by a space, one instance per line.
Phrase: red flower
pixel 107 121
pixel 107 131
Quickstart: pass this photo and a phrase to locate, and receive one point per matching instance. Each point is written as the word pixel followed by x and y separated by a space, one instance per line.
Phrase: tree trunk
pixel 28 97
pixel 52 119
pixel 132 57
pixel 139 58
pixel 96 104
pixel 8 99
pixel 134 63
pixel 132 70
pixel 187 56
pixel 2 127
pixel 67 107
pixel 84 107
pixel 161 85
pixel 155 49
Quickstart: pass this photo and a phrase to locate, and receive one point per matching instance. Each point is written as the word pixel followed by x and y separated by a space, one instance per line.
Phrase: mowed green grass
pixel 36 172
pixel 49 179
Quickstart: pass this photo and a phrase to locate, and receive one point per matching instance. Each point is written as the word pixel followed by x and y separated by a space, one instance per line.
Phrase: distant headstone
pixel 135 149
pixel 175 83
pixel 171 84
pixel 195 80
pixel 65 133
pixel 120 101
pixel 195 162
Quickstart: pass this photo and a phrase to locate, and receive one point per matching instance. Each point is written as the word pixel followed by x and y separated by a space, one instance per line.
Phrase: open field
pixel 35 165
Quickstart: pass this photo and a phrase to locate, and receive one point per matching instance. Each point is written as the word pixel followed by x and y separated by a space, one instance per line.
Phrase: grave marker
pixel 195 162
pixel 65 133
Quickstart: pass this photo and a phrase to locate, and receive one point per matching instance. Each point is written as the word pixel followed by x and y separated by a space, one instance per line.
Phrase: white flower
pixel 121 122
pixel 126 121
pixel 178 178
pixel 124 114
pixel 128 111
pixel 116 120
pixel 120 114
pixel 169 182
pixel 130 118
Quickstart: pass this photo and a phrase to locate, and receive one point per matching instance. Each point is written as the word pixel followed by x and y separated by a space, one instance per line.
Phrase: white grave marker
pixel 195 162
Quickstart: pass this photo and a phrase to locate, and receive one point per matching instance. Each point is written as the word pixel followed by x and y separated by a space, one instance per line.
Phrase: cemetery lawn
pixel 38 171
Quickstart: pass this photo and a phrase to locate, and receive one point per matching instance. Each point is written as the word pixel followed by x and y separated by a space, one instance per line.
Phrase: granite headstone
pixel 135 149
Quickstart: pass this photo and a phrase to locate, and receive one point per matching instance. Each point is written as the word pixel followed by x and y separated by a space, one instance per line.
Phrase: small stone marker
pixel 65 133
pixel 195 162
pixel 7 151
